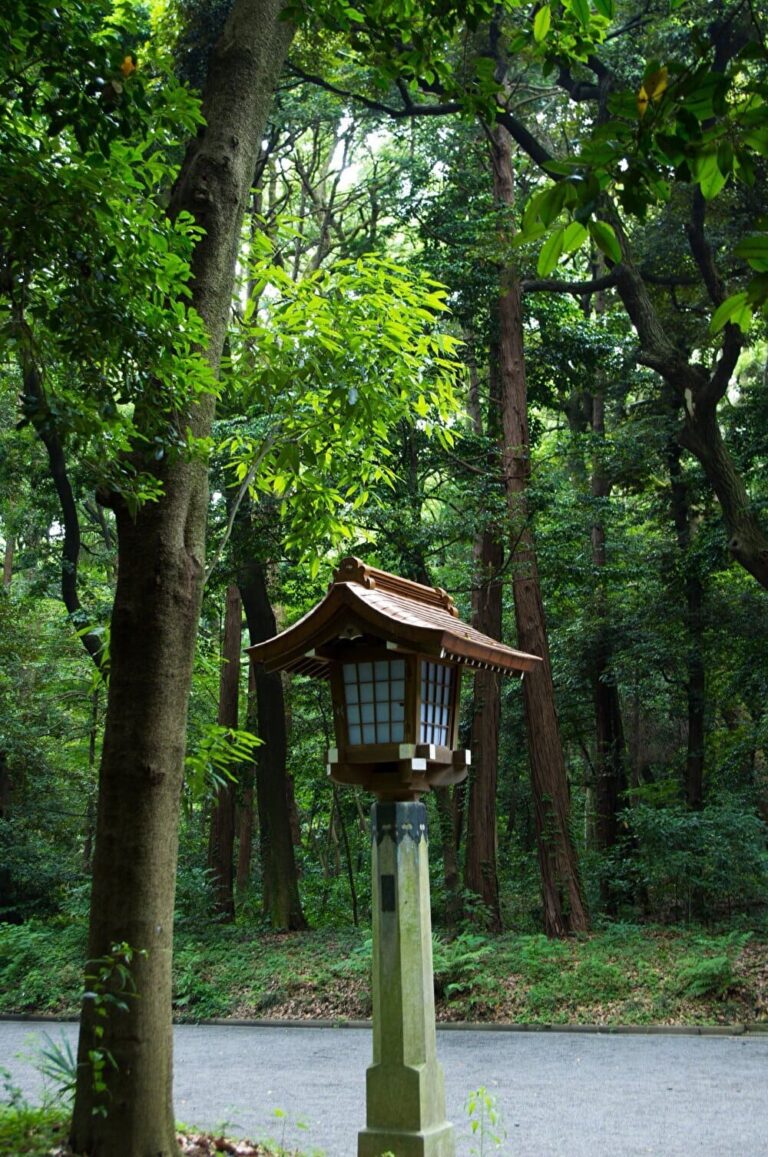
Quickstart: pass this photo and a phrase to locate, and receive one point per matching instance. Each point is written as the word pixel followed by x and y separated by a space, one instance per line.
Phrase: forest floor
pixel 626 974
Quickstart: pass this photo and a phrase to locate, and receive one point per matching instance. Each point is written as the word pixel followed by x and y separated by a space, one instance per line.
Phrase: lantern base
pixel 437 1142
pixel 405 1097
pixel 398 772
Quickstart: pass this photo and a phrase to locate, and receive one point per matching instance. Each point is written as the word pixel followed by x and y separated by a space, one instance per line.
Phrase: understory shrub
pixel 692 865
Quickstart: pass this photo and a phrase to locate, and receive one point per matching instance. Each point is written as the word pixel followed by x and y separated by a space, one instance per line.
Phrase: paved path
pixel 559 1094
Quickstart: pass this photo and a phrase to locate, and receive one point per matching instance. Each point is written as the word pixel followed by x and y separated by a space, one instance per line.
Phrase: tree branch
pixel 35 409
pixel 266 446
pixel 577 288
pixel 409 109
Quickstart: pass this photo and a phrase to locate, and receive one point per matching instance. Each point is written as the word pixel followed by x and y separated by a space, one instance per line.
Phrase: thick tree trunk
pixel 221 842
pixel 280 887
pixel 160 570
pixel 564 906
pixel 154 623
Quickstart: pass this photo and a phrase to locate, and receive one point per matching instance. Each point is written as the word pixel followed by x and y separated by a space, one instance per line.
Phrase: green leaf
pixel 550 252
pixel 581 11
pixel 605 239
pixel 574 237
pixel 754 248
pixel 734 310
pixel 707 173
pixel 542 22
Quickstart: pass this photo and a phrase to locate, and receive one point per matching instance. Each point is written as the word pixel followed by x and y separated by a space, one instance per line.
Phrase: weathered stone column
pixel 405 1090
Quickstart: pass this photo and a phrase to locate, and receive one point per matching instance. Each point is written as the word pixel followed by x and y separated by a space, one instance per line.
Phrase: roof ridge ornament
pixel 354 570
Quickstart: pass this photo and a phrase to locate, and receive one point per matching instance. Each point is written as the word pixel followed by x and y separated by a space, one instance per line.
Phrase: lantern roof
pixel 364 602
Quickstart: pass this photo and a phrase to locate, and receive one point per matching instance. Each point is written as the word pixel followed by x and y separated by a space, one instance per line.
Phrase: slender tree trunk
pixel 282 903
pixel 695 684
pixel 445 801
pixel 245 824
pixel 610 770
pixel 90 806
pixel 480 864
pixel 564 906
pixel 159 583
pixel 347 857
pixel 221 842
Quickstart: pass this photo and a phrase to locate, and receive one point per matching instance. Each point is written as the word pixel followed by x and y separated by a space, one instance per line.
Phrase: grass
pixel 42 1132
pixel 624 974
pixel 28 1132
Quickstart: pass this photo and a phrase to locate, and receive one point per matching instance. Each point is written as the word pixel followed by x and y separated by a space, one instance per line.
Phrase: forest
pixel 476 293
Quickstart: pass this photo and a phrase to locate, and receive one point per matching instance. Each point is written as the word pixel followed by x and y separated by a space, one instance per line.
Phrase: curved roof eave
pixel 394 619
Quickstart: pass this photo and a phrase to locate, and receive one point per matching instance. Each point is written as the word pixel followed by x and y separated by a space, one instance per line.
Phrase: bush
pixel 41 965
pixel 693 864
pixel 712 976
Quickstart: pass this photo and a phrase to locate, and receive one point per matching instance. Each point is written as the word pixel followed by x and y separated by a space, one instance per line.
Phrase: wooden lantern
pixel 393 651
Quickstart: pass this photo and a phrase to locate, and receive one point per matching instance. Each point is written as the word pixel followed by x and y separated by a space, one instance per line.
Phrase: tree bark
pixel 699 390
pixel 610 748
pixel 695 683
pixel 280 887
pixel 445 802
pixel 246 811
pixel 480 863
pixel 161 552
pixel 564 906
pixel 221 843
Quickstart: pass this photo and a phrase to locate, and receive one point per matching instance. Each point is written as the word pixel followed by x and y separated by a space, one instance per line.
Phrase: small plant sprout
pixel 485 1122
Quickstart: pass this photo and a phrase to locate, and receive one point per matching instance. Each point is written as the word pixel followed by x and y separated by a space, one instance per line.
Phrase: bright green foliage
pixel 93 280
pixel 324 368
pixel 215 758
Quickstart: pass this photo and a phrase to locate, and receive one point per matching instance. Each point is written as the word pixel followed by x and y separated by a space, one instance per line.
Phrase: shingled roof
pixel 363 600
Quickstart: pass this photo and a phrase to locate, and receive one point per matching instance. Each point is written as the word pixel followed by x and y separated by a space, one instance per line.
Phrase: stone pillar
pixel 405 1092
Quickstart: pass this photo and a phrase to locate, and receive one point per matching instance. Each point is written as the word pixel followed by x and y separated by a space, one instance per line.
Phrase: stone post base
pixel 437 1142
pixel 405 1093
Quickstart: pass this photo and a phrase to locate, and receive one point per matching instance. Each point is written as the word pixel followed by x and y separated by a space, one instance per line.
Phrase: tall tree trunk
pixel 610 770
pixel 445 802
pixel 480 865
pixel 564 906
pixel 90 805
pixel 245 817
pixel 282 903
pixel 161 550
pixel 221 842
pixel 480 862
pixel 695 683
